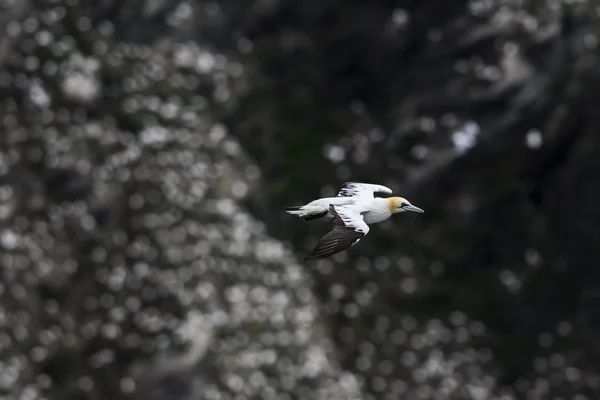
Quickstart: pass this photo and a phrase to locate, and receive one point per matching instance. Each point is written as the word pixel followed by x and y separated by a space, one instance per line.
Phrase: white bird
pixel 354 208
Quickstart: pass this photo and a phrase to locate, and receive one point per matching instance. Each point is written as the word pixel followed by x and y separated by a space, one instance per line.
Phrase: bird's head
pixel 400 204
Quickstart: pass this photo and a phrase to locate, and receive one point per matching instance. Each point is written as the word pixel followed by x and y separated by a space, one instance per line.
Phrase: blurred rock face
pixel 129 268
pixel 132 267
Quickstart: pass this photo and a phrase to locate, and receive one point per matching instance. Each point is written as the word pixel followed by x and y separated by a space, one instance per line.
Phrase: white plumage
pixel 354 208
pixel 354 189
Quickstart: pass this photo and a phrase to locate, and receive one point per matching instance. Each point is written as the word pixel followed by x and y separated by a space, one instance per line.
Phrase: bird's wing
pixel 348 228
pixel 356 189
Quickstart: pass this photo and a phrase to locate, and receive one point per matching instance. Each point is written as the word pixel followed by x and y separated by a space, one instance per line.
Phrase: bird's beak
pixel 410 207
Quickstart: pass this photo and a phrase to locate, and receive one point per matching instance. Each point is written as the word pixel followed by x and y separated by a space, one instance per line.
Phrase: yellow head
pixel 400 204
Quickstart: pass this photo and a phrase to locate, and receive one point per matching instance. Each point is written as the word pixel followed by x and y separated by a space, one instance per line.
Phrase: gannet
pixel 354 208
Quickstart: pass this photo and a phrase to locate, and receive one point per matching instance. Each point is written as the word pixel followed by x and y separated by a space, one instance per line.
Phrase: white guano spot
pixel 465 138
pixel 533 139
pixel 9 239
pixel 81 87
pixel 335 153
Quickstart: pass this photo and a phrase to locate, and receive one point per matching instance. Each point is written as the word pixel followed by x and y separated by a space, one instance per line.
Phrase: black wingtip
pixel 292 208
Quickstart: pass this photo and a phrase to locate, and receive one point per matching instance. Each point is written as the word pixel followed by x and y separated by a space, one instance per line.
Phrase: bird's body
pixel 354 208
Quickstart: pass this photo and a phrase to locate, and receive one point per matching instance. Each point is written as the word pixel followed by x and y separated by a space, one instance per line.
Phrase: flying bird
pixel 354 208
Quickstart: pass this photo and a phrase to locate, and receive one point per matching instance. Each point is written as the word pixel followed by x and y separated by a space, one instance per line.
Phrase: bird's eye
pixel 403 205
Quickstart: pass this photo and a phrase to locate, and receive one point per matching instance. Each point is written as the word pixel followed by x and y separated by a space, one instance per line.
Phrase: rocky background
pixel 147 148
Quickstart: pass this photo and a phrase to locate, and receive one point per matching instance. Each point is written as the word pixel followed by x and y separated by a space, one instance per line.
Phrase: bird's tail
pixel 304 213
pixel 293 209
